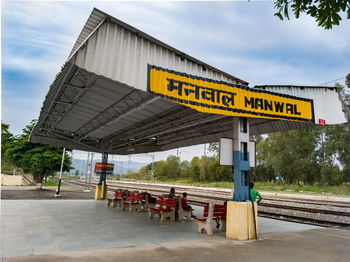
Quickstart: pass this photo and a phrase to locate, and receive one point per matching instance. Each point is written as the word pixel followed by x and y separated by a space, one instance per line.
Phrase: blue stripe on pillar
pixel 241 183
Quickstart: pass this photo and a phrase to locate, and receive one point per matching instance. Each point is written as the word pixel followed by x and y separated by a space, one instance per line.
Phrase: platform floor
pixel 38 227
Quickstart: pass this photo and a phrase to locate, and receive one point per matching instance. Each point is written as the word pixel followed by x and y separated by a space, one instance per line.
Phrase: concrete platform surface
pixel 76 230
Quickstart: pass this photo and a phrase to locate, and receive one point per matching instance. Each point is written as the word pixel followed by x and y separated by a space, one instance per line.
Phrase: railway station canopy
pixel 122 91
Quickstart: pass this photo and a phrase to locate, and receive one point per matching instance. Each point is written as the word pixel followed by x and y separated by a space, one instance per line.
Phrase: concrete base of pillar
pixel 101 192
pixel 240 220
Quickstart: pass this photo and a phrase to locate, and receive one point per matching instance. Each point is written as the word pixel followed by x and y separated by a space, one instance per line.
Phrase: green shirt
pixel 254 194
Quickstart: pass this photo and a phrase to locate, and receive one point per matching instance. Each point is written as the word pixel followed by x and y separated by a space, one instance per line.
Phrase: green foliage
pixel 195 172
pixel 343 189
pixel 214 147
pixel 326 12
pixel 36 159
pixel 185 169
pixel 6 142
pixel 160 170
pixel 199 169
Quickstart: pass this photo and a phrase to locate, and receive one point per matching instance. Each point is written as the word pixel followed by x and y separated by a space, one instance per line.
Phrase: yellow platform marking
pixel 330 234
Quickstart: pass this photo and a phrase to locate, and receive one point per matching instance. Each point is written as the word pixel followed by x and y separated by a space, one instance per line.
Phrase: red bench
pixel 134 202
pixel 117 197
pixel 165 208
pixel 212 212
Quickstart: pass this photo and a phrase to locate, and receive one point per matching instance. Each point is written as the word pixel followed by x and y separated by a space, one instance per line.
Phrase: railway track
pixel 302 211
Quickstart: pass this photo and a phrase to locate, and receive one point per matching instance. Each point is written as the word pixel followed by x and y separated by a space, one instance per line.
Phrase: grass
pixel 49 183
pixel 341 190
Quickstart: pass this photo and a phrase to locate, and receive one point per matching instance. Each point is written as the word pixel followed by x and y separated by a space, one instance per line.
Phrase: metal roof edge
pixel 294 86
pixel 92 24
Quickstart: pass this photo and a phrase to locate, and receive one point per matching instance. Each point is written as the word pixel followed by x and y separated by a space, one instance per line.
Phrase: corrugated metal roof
pixel 133 42
pixel 327 105
pixel 94 20
pixel 98 102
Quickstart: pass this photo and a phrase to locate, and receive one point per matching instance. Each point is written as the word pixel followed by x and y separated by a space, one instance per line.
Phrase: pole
pixel 152 168
pixel 86 173
pixel 256 233
pixel 103 173
pixel 60 177
pixel 91 166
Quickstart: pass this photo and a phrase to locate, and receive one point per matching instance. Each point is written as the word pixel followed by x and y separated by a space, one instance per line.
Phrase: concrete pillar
pixel 241 216
pixel 240 220
pixel 241 167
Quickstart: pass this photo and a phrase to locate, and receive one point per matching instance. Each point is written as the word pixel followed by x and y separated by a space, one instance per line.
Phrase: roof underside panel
pixel 89 112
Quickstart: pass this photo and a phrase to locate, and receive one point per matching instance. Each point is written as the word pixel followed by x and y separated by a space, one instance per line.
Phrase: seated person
pixel 151 200
pixel 184 201
pixel 184 204
pixel 172 193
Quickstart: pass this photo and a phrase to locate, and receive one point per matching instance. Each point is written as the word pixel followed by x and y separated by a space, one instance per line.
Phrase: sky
pixel 241 38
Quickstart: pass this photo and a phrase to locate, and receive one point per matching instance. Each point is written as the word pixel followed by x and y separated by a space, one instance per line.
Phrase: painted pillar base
pixel 104 191
pixel 101 192
pixel 240 220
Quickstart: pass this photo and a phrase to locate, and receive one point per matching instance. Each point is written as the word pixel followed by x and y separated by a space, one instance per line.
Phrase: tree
pixel 173 167
pixel 338 137
pixel 214 147
pixel 36 159
pixel 6 141
pixel 290 161
pixel 195 170
pixel 203 167
pixel 144 173
pixel 212 166
pixel 160 170
pixel 326 12
pixel 224 173
pixel 185 169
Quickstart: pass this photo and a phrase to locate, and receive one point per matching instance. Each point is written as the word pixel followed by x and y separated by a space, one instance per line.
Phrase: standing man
pixel 254 193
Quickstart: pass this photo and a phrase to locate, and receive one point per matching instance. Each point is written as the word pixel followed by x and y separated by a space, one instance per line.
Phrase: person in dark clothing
pixel 172 193
pixel 152 200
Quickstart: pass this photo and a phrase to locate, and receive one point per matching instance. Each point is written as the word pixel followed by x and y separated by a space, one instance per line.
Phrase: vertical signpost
pixel 103 168
pixel 90 174
pixel 60 177
pixel 86 173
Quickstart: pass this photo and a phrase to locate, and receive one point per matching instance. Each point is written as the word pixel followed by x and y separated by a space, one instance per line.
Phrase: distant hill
pixel 120 167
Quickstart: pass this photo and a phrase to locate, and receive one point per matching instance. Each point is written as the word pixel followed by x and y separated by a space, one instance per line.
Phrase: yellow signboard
pixel 217 97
